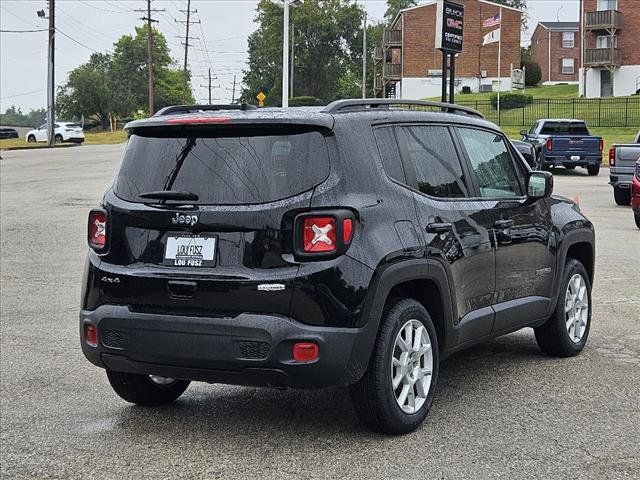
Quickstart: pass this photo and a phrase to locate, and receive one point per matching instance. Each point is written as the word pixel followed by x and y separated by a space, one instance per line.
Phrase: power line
pixel 24 94
pixel 77 41
pixel 24 31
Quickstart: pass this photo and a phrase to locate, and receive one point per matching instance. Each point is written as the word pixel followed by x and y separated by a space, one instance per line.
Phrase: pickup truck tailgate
pixel 576 145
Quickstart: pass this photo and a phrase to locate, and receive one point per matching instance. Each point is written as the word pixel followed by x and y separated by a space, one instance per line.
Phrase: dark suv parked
pixel 359 244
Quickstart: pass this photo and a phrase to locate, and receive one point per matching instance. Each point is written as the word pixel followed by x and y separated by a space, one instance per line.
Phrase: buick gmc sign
pixel 449 26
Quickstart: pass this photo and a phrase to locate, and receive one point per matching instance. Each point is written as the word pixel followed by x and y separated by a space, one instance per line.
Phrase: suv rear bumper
pixel 250 349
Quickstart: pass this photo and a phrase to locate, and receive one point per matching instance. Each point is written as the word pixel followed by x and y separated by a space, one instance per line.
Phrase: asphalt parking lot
pixel 502 410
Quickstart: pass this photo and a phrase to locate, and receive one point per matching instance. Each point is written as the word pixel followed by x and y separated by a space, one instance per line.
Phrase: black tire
pixel 58 138
pixel 622 196
pixel 553 337
pixel 373 396
pixel 31 138
pixel 141 390
pixel 593 170
pixel 636 216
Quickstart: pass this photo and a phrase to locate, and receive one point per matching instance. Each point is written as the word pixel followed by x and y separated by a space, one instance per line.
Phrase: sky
pixel 86 26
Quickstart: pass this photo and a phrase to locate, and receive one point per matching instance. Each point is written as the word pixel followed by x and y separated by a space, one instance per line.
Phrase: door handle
pixel 439 227
pixel 503 223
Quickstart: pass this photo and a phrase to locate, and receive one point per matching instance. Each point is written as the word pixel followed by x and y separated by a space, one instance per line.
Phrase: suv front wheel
pixel 565 333
pixel 395 394
pixel 146 390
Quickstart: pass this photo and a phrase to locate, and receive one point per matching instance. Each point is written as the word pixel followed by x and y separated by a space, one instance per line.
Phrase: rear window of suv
pixel 228 169
pixel 564 128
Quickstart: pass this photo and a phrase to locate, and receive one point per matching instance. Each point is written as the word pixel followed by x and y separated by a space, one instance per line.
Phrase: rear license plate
pixel 575 157
pixel 190 251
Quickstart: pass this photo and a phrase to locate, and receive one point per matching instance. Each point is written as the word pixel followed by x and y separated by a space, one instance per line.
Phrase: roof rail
pixel 354 105
pixel 203 108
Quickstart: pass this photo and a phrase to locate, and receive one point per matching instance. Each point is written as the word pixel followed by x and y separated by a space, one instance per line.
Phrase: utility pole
pixel 186 44
pixel 150 21
pixel 285 56
pixel 233 93
pixel 292 57
pixel 209 86
pixel 364 56
pixel 51 83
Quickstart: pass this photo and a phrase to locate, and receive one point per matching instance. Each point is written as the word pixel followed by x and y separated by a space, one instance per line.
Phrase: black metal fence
pixel 597 112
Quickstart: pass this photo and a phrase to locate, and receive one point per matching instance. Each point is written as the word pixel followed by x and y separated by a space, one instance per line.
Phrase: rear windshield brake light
pixel 195 120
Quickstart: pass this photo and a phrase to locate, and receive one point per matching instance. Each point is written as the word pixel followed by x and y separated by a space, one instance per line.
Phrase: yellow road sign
pixel 261 97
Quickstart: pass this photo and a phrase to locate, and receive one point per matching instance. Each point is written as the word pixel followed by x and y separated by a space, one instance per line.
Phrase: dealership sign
pixel 449 26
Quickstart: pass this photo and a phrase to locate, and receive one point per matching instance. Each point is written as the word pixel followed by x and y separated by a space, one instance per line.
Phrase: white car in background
pixel 63 132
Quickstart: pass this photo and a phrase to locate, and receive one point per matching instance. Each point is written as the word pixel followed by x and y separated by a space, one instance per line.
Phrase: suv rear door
pixel 521 228
pixel 450 223
pixel 225 252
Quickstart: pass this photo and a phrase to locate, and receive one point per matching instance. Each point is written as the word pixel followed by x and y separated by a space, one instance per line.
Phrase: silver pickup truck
pixel 622 160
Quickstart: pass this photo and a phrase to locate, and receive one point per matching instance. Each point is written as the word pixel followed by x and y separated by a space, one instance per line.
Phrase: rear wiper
pixel 169 195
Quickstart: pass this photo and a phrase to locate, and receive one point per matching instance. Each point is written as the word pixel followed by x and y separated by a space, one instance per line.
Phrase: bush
pixel 305 101
pixel 511 100
pixel 533 74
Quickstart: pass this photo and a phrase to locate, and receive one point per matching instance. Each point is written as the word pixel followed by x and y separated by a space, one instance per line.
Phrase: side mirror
pixel 539 184
pixel 524 133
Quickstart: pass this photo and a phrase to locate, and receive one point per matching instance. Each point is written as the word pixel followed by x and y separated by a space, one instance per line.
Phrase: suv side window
pixel 492 163
pixel 431 152
pixel 388 148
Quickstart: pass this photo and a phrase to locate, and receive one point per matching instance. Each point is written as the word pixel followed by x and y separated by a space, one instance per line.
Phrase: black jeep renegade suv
pixel 358 244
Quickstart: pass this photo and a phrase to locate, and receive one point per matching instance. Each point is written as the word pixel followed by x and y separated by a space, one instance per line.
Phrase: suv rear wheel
pixel 146 390
pixel 565 333
pixel 395 394
pixel 622 196
pixel 636 216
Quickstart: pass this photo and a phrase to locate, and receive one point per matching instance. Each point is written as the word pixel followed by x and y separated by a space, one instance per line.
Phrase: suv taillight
pixel 638 170
pixel 319 235
pixel 549 144
pixel 97 231
pixel 324 233
pixel 601 144
pixel 612 156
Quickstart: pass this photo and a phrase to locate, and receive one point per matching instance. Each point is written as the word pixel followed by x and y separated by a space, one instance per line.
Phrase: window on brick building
pixel 567 39
pixel 607 5
pixel 567 66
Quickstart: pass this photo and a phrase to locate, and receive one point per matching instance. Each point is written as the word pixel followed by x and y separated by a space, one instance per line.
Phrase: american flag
pixel 492 22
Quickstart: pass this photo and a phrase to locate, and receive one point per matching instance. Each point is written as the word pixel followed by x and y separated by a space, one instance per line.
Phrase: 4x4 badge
pixel 184 219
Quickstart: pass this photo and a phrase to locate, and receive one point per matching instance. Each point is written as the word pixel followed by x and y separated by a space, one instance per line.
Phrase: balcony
pixel 392 70
pixel 392 38
pixel 601 57
pixel 377 54
pixel 602 20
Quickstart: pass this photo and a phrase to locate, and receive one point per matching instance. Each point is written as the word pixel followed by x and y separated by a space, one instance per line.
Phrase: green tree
pixel 328 51
pixel 394 6
pixel 13 116
pixel 88 91
pixel 130 73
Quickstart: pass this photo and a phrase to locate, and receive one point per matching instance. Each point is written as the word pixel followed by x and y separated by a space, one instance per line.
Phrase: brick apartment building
pixel 612 47
pixel 555 46
pixel 409 66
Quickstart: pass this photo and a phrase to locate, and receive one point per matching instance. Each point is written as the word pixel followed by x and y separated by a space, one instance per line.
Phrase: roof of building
pixel 561 26
pixel 427 3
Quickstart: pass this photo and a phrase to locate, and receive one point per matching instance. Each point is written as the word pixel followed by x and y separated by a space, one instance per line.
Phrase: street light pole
pixel 51 83
pixel 285 56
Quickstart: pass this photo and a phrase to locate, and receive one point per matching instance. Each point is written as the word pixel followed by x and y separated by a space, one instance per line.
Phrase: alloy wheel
pixel 576 307
pixel 411 366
